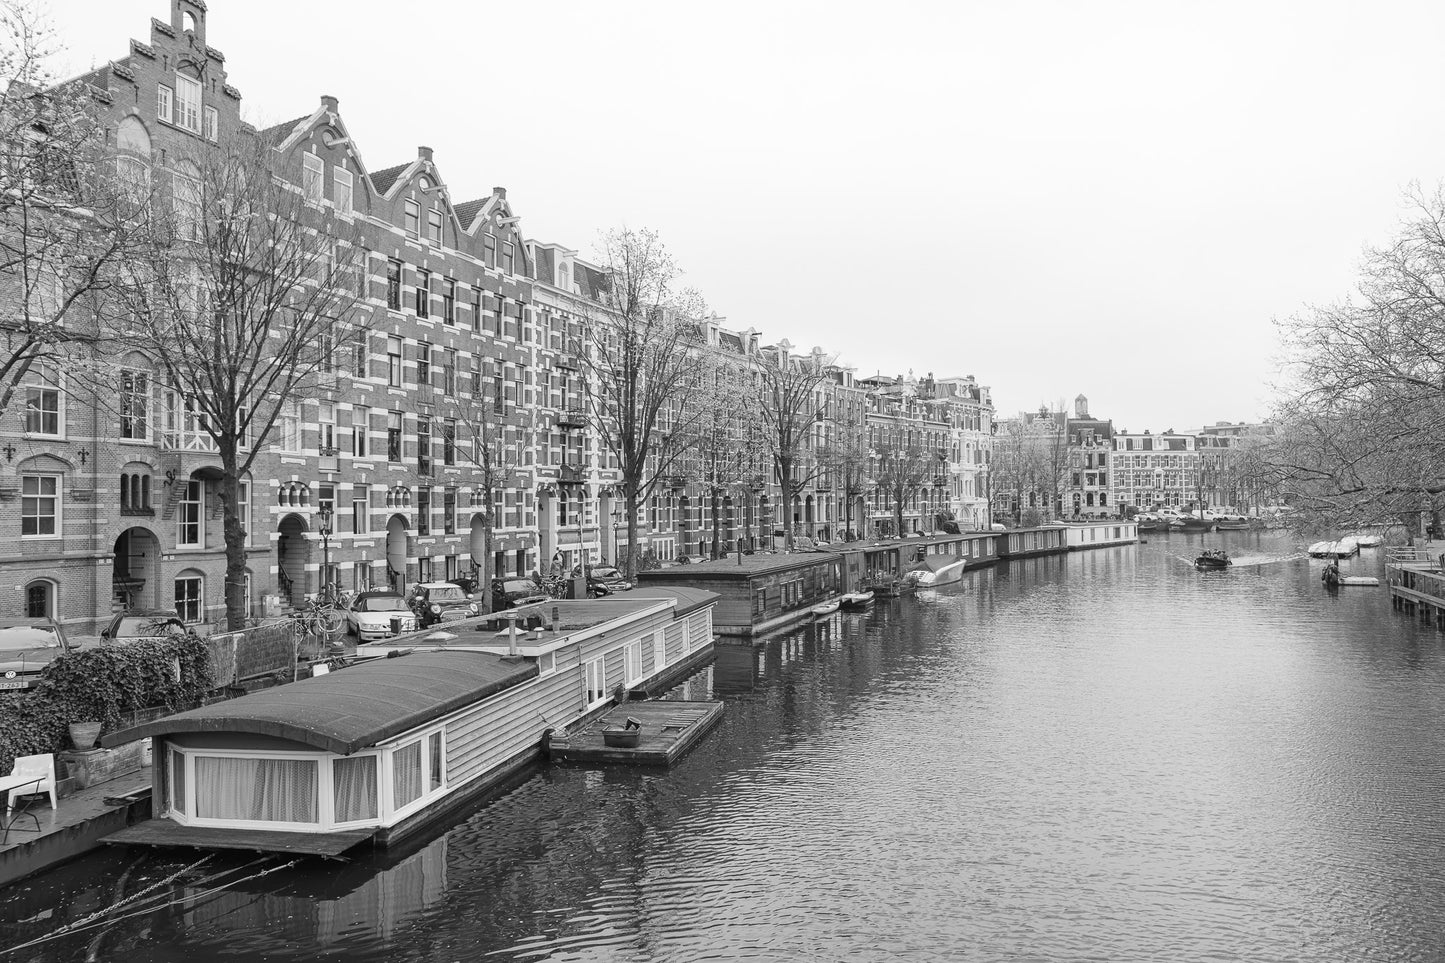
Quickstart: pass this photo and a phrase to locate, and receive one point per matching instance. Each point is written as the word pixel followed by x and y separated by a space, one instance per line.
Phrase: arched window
pixel 40 599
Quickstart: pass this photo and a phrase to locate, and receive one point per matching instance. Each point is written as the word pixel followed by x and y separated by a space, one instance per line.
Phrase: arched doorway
pixel 40 599
pixel 293 553
pixel 684 528
pixel 479 548
pixel 133 581
pixel 810 519
pixel 398 549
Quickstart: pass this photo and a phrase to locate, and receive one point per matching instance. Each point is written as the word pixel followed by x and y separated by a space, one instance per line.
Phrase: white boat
pixel 938 570
pixel 857 600
pixel 827 608
pixel 1339 548
pixel 1365 580
pixel 1369 541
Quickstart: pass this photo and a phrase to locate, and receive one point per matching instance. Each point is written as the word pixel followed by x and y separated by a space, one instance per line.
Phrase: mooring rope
pixel 93 920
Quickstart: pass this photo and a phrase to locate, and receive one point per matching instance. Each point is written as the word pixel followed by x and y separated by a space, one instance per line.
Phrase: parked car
pixel 606 579
pixel 144 624
pixel 514 592
pixel 435 602
pixel 26 648
pixel 369 615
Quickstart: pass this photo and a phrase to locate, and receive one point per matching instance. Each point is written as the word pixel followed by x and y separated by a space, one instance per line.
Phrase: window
pixel 135 494
pixel 37 600
pixel 406 775
pixel 42 402
pixel 393 436
pixel 436 770
pixel 449 513
pixel 423 511
pixel 188 103
pixel 434 226
pixel 326 498
pixel 360 354
pixel 423 446
pixel 393 361
pixel 489 249
pixel 39 506
pixel 164 98
pixel 341 183
pixel 508 257
pixel 393 285
pixel 190 528
pixel 188 209
pixel 188 598
pixel 477 310
pixel 242 789
pixel 212 123
pixel 360 510
pixel 326 427
pixel 291 426
pixel 243 510
pixel 313 177
pixel 632 662
pixel 596 682
pixel 135 405
pixel 413 218
pixel 449 301
pixel 423 293
pixel 449 371
pixel 449 442
pixel 360 429
pixel 423 363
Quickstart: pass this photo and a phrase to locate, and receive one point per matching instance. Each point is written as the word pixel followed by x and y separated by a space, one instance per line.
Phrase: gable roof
pixel 279 132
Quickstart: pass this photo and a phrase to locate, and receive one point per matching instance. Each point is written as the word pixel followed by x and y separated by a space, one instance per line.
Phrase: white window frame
pixel 243 509
pixel 632 662
pixel 56 498
pixel 360 431
pixel 390 812
pixel 594 670
pixel 313 178
pixel 183 504
pixel 140 389
pixel 211 122
pixel 40 382
pixel 435 226
pixel 165 100
pixel 325 790
pixel 188 103
pixel 200 600
pixel 342 187
pixel 360 509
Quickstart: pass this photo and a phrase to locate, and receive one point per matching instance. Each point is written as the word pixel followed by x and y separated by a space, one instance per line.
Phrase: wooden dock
pixel 1417 584
pixel 669 729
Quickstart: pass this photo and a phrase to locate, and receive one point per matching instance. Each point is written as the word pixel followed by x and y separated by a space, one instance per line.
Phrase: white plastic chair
pixel 31 776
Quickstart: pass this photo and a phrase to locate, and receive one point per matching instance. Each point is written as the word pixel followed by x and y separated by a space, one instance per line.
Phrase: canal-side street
pixel 1106 755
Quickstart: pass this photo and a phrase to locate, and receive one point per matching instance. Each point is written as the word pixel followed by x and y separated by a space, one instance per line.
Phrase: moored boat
pixel 1339 548
pixel 857 600
pixel 1231 525
pixel 937 570
pixel 1369 541
pixel 827 608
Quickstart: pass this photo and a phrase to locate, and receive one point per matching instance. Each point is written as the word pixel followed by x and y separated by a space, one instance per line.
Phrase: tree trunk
pixel 898 512
pixel 716 529
pixel 235 538
pixel 484 567
pixel 629 497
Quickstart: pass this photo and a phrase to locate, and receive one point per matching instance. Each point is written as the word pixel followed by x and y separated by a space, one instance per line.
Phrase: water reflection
pixel 1106 755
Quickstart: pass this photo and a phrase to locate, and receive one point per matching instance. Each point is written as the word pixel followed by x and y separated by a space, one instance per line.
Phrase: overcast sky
pixel 1113 199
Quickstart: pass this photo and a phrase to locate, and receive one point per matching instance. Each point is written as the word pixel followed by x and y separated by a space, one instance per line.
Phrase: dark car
pixel 435 602
pixel 143 624
pixel 606 579
pixel 514 592
pixel 26 648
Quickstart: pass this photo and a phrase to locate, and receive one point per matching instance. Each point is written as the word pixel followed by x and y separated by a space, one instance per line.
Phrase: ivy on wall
pixel 102 684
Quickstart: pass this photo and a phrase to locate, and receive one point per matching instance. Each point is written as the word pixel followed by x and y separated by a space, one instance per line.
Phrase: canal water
pixel 1103 756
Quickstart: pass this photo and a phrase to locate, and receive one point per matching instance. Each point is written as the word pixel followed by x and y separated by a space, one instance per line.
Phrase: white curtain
pixel 354 779
pixel 260 790
pixel 406 774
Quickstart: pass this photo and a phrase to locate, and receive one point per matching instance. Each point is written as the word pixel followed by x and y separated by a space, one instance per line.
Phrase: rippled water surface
pixel 1103 756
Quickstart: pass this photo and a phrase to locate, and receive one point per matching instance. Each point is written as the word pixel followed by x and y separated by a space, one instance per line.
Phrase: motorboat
pixel 937 570
pixel 1339 548
pixel 827 608
pixel 1214 561
pixel 1333 579
pixel 857 600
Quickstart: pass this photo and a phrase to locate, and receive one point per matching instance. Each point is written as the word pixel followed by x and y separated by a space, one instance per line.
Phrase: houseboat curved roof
pixel 357 707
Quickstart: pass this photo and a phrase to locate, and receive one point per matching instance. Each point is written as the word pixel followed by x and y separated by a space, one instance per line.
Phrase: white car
pixel 369 617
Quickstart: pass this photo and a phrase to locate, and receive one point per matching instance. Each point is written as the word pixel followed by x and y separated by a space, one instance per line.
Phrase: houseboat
pixel 1027 542
pixel 376 751
pixel 757 594
pixel 1100 534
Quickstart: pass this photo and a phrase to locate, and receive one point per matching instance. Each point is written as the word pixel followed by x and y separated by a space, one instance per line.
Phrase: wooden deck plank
pixel 164 832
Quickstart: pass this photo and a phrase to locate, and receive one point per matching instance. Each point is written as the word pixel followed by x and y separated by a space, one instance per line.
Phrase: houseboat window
pixel 596 682
pixel 760 601
pixel 256 790
pixel 633 662
pixel 546 663
pixel 178 782
pixel 406 775
pixel 353 781
pixel 436 774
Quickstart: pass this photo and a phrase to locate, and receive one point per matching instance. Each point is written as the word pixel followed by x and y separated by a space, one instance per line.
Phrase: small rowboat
pixel 827 608
pixel 1212 561
pixel 857 600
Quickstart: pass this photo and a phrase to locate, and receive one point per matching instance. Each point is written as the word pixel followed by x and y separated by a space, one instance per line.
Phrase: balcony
pixel 572 418
pixel 571 475
pixel 567 361
pixel 187 441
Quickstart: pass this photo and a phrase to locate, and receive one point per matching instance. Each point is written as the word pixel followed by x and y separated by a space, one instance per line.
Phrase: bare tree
pixel 66 214
pixel 241 299
pixel 1359 438
pixel 643 358
pixel 845 460
pixel 900 470
pixel 728 439
pixel 790 392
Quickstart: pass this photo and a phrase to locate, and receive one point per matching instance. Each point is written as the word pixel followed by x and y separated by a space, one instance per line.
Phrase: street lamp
pixel 324 517
pixel 616 521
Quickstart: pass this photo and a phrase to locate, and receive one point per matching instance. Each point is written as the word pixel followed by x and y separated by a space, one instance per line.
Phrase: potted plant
pixel 84 734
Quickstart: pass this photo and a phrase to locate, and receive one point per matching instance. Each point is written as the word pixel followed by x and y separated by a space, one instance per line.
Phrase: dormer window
pixel 413 219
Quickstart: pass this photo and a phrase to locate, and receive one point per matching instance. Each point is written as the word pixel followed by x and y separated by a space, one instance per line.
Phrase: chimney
pixel 424 153
pixel 329 102
pixel 500 192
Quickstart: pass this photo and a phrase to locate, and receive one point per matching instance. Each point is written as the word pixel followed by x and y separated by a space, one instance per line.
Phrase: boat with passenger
pixel 1212 560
